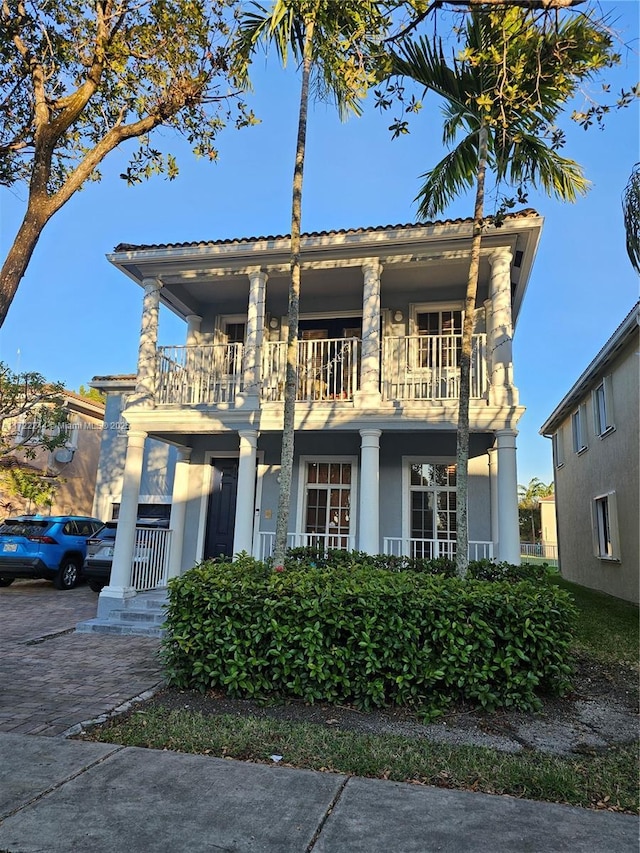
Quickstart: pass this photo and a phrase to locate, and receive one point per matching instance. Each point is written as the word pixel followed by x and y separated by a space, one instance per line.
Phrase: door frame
pixel 207 483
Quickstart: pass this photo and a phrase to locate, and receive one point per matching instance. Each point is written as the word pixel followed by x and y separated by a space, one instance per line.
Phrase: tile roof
pixel 130 247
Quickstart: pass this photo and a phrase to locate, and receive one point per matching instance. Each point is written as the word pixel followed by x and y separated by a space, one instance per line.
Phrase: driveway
pixel 52 678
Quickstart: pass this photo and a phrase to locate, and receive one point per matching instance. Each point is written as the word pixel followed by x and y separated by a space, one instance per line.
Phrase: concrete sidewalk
pixel 60 795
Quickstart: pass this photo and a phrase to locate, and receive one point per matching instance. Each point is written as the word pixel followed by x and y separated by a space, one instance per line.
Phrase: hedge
pixel 368 637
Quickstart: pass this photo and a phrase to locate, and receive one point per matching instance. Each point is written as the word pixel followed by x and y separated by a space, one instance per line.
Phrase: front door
pixel 222 509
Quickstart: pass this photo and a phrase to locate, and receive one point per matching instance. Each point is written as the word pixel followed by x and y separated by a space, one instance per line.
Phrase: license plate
pixel 10 546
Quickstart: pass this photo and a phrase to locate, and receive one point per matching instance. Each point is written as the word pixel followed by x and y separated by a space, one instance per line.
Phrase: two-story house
pixel 71 468
pixel 377 404
pixel 594 431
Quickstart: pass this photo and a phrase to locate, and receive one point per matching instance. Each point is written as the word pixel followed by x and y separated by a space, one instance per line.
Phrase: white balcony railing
pixel 199 375
pixel 414 368
pixel 431 549
pixel 327 370
pixel 150 566
pixel 427 367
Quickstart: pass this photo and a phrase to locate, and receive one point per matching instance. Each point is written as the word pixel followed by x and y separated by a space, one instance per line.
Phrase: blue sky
pixel 75 316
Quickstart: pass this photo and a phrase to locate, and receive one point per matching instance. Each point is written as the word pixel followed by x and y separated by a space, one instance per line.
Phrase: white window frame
pixel 407 462
pixel 302 490
pixel 601 400
pixel 606 543
pixel 416 308
pixel 557 444
pixel 579 429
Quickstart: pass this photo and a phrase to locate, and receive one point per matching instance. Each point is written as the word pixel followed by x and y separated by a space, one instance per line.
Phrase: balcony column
pixel 369 394
pixel 507 480
pixel 179 510
pixel 193 329
pixel 255 334
pixel 502 391
pixel 493 492
pixel 245 503
pixel 369 519
pixel 147 348
pixel 120 587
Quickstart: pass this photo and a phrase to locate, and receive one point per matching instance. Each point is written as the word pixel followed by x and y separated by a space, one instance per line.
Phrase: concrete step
pixel 120 627
pixel 142 615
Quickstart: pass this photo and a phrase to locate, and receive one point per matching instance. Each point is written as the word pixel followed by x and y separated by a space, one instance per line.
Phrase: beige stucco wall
pixel 76 479
pixel 610 463
pixel 548 525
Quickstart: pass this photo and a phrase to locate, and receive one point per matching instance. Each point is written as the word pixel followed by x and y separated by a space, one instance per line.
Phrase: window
pixel 578 429
pixel 442 333
pixel 432 509
pixel 557 444
pixel 605 527
pixel 327 503
pixel 602 414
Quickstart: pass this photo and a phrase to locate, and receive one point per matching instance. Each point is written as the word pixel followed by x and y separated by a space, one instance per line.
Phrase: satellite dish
pixel 63 454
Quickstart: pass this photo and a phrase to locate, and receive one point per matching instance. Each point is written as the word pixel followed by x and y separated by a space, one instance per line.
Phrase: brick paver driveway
pixel 52 678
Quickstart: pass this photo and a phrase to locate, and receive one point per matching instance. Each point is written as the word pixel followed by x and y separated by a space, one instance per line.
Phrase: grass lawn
pixel 607 632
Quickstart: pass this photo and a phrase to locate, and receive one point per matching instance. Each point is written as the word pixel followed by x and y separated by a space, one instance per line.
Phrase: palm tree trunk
pixel 462 437
pixel 291 381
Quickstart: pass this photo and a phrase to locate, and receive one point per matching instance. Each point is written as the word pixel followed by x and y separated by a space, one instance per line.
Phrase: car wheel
pixel 6 581
pixel 68 574
pixel 96 586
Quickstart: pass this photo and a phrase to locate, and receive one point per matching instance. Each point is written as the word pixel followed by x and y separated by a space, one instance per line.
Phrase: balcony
pixel 413 369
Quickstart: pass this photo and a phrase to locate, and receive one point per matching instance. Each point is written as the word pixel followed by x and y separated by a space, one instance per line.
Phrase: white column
pixel 493 491
pixel 246 498
pixel 509 529
pixel 370 357
pixel 120 582
pixel 500 333
pixel 255 332
pixel 147 348
pixel 178 510
pixel 369 516
pixel 193 329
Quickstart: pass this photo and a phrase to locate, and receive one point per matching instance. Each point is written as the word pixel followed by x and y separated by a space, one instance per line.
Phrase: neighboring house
pixel 594 431
pixel 548 526
pixel 380 334
pixel 70 468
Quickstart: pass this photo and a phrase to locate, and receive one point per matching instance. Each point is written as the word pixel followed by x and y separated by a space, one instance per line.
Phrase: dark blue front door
pixel 222 508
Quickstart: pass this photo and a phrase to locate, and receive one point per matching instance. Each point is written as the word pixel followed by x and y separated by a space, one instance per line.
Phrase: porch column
pixel 120 582
pixel 369 516
pixel 255 332
pixel 147 348
pixel 179 510
pixel 370 353
pixel 508 527
pixel 245 502
pixel 493 492
pixel 502 391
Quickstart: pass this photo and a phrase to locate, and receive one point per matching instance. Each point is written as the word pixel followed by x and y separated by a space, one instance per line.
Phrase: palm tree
pixel 338 40
pixel 631 212
pixel 503 92
pixel 529 499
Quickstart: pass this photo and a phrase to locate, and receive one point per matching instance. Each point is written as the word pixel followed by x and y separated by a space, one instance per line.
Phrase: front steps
pixel 141 616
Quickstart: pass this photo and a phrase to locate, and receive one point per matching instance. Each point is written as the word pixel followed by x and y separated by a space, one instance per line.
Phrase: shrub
pixel 370 637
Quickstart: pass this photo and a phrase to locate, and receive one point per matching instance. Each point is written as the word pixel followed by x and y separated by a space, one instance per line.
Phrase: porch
pixel 413 368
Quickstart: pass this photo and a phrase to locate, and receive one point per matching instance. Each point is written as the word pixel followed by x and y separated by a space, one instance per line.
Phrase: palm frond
pixel 454 174
pixel 532 161
pixel 631 212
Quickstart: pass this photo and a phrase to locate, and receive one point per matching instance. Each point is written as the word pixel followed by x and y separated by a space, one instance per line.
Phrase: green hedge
pixel 370 637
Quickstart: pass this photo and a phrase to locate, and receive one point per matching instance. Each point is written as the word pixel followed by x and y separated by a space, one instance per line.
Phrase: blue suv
pixel 51 547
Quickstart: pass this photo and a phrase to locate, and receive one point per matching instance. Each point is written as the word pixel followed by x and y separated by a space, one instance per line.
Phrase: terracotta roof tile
pixel 131 247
